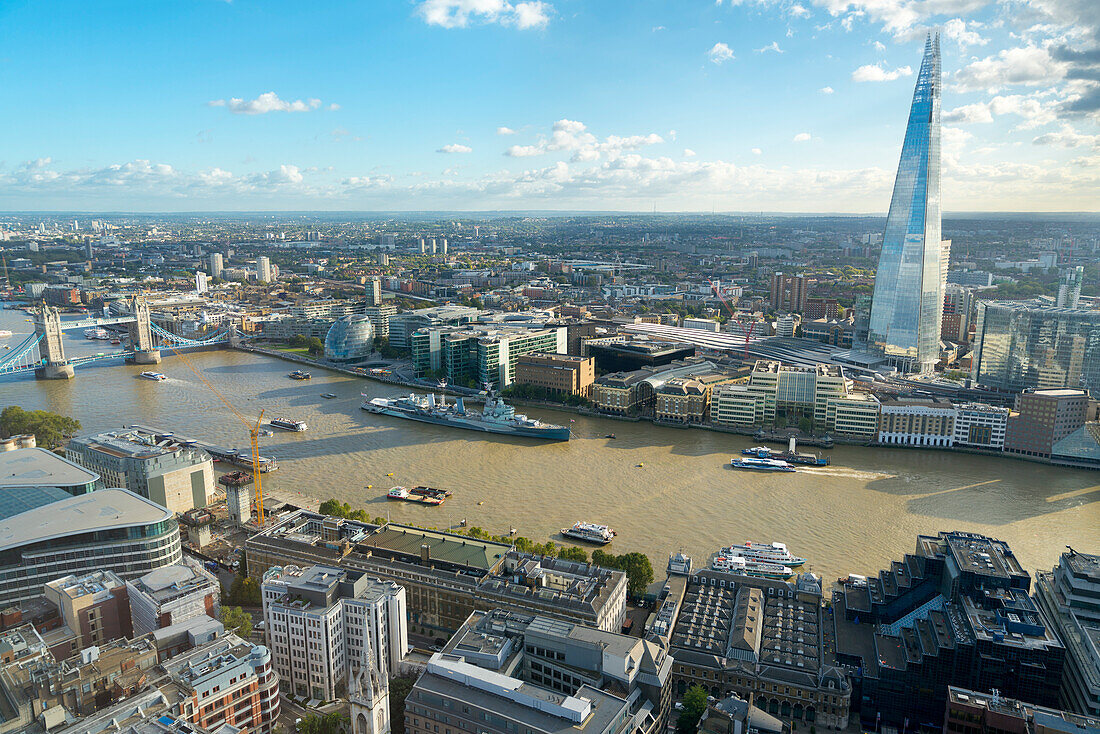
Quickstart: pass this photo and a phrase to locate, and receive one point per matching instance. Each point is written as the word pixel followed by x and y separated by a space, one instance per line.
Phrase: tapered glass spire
pixel 908 301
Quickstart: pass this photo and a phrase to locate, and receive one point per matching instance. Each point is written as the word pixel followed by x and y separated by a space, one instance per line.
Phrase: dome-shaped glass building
pixel 350 339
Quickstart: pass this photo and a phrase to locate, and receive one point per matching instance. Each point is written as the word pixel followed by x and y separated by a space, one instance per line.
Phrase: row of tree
pixel 312 344
pixel 50 429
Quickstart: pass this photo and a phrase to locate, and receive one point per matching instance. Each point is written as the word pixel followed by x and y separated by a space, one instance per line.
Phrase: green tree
pixel 399 691
pixel 573 553
pixel 638 569
pixel 237 620
pixel 299 341
pixel 331 723
pixel 316 346
pixel 50 429
pixel 695 703
pixel 331 507
pixel 805 425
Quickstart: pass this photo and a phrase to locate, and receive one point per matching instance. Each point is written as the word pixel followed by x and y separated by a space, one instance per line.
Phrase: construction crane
pixel 715 287
pixel 253 433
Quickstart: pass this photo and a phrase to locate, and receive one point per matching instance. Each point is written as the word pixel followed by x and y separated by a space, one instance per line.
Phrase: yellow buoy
pixel 481 503
pixel 390 474
pixel 370 486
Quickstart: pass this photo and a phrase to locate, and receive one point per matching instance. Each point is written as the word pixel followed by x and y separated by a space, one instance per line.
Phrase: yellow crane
pixel 253 433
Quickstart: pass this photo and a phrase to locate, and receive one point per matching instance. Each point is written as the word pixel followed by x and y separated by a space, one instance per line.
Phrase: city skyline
pixel 460 105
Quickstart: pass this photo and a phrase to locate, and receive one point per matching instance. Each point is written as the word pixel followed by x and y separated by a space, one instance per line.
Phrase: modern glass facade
pixel 1026 344
pixel 350 339
pixel 908 297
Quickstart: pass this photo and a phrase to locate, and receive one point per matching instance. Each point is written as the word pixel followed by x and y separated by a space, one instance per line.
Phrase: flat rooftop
pixel 39 467
pixel 405 541
pixel 106 509
pixel 170 581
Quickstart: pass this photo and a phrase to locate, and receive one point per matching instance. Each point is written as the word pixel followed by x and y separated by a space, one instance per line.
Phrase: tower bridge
pixel 43 352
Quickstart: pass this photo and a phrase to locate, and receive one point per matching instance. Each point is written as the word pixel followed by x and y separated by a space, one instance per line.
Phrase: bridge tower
pixel 141 336
pixel 47 324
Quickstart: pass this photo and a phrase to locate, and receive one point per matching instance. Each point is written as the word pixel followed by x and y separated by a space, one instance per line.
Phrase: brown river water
pixel 853 516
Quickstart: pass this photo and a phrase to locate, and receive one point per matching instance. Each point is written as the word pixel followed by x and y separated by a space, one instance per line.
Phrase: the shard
pixel 908 302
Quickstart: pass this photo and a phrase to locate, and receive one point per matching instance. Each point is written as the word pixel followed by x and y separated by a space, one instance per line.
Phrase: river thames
pixel 662 489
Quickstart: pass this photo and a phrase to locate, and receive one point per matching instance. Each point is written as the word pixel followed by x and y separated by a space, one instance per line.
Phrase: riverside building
pixel 445 576
pixel 1042 418
pixel 174 476
pixel 506 672
pixel 325 623
pixel 483 355
pixel 170 595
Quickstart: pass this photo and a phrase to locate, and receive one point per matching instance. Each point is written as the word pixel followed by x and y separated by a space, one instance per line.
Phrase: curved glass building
pixel 912 267
pixel 350 339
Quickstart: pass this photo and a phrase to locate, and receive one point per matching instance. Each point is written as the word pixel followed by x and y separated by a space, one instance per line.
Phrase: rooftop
pixel 403 541
pixel 106 509
pixel 38 467
pixel 169 582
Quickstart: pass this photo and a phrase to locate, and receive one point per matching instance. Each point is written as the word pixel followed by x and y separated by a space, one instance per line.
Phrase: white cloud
pixel 689 153
pixel 827 90
pixel 1067 137
pixel 1035 110
pixel 969 114
pixel 460 13
pixel 756 151
pixel 798 11
pixel 802 137
pixel 956 30
pixel 720 53
pixel 876 73
pixel 571 135
pixel 773 46
pixel 333 107
pixel 455 148
pixel 1028 65
pixel 879 46
pixel 267 102
pixel 505 131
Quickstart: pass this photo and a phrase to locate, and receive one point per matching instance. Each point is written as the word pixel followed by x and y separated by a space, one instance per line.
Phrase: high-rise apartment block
pixel 1069 290
pixel 908 298
pixel 217 265
pixel 374 292
pixel 264 271
pixel 325 624
pixel 788 293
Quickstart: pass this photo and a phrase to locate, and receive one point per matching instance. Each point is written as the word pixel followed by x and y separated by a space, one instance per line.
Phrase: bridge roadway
pixel 97 321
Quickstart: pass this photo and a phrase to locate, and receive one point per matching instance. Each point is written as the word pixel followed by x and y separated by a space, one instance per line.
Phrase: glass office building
pixel 350 339
pixel 908 297
pixel 1028 344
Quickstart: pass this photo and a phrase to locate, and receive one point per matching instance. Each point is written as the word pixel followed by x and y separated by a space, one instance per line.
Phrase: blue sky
pixel 686 105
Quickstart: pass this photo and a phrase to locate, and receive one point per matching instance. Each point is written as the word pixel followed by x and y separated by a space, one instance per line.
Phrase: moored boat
pixel 299 375
pixel 589 533
pixel 745 567
pixel 496 417
pixel 769 552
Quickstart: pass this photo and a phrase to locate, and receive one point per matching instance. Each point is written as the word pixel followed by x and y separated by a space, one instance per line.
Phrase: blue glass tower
pixel 908 300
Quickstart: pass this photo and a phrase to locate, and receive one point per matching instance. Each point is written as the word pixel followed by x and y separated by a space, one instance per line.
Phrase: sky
pixel 631 105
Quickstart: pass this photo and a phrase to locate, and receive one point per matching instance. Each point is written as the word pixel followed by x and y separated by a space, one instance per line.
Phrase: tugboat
pixel 288 424
pixel 299 375
pixel 158 376
pixel 589 533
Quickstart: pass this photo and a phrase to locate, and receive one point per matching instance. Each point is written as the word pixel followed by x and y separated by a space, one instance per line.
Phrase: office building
pixel 973 712
pixel 380 318
pixel 506 672
pixel 217 264
pixel 1069 289
pixel 264 271
pixel 980 426
pixel 956 612
pixel 374 291
pixel 350 340
pixel 46 533
pixel 703 324
pixel 34 467
pixel 445 576
pixel 830 331
pixel 1068 596
pixel 176 477
pixel 94 606
pixel 684 400
pixel 1020 345
pixel 403 325
pixel 758 639
pixel 1042 418
pixel 916 421
pixel 908 296
pixel 482 354
pixel 615 355
pixel 325 623
pixel 225 682
pixel 560 374
pixel 172 594
pixel 788 293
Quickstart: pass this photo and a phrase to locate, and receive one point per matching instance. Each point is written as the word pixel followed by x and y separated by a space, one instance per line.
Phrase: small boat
pixel 431 492
pixel 288 424
pixel 610 435
pixel 265 432
pixel 5 334
pixel 328 395
pixel 299 375
pixel 400 493
pixel 397 493
pixel 589 533
pixel 762 465
pixel 158 376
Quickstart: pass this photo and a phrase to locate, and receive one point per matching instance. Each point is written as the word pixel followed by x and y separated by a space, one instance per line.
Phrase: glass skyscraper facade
pixel 1020 345
pixel 908 299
